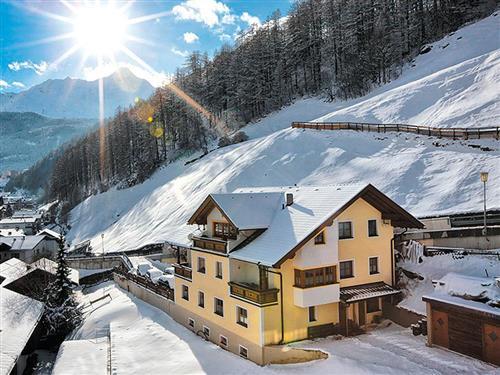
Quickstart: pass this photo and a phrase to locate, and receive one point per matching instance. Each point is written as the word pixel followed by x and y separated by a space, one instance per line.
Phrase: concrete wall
pixel 256 353
pixel 94 263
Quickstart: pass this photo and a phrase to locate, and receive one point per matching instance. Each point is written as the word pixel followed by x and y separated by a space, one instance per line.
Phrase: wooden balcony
pixel 253 294
pixel 213 244
pixel 184 271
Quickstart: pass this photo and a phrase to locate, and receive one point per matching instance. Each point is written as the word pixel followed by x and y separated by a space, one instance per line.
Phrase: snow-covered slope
pixel 456 84
pixel 424 175
pixel 76 98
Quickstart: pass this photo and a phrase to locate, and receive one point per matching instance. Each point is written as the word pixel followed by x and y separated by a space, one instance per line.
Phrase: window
pixel 315 277
pixel 224 230
pixel 345 230
pixel 312 313
pixel 218 270
pixel 243 352
pixel 201 265
pixel 185 292
pixel 372 228
pixel 373 261
pixel 320 238
pixel 191 322
pixel 218 306
pixel 346 269
pixel 372 305
pixel 201 299
pixel 206 331
pixel 241 316
pixel 223 341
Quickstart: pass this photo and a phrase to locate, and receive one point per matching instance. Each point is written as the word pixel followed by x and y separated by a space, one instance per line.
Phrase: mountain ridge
pixel 77 98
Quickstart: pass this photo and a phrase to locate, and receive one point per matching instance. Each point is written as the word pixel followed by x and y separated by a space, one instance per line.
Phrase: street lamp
pixel 102 237
pixel 484 179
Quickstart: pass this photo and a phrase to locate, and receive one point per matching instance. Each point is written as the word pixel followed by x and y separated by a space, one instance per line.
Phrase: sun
pixel 100 29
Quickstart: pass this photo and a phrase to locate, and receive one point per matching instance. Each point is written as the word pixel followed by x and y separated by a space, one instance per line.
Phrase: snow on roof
pixel 21 243
pixel 19 316
pixel 466 291
pixel 50 233
pixel 18 220
pixel 252 210
pixel 11 232
pixel 311 207
pixel 82 357
pixel 13 269
pixel 366 291
pixel 51 266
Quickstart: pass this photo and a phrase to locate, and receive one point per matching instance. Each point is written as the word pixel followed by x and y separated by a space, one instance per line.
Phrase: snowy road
pixel 146 340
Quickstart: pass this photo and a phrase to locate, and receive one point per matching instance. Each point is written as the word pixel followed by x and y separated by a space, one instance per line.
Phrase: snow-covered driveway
pixel 145 340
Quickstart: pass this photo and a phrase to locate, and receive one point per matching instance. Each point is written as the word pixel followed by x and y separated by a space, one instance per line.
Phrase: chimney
pixel 289 199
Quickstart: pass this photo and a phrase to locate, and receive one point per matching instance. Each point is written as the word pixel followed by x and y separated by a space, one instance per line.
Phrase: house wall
pixel 361 247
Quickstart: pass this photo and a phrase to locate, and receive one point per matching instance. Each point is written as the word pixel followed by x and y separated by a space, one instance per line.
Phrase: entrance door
pixel 362 313
pixel 491 340
pixel 343 319
pixel 440 328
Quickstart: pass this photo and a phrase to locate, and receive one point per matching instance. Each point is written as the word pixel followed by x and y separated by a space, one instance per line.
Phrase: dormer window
pixel 320 238
pixel 224 230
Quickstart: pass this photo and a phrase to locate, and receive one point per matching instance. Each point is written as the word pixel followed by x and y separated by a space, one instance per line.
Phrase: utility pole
pixel 484 179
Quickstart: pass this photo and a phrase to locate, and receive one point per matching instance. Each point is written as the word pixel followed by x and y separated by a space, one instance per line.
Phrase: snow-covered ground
pixel 436 268
pixel 146 340
pixel 453 86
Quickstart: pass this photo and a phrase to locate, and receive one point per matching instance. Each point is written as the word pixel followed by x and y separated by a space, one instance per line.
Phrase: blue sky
pixel 170 29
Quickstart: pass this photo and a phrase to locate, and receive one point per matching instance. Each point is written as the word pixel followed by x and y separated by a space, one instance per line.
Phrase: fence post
pixel 478 134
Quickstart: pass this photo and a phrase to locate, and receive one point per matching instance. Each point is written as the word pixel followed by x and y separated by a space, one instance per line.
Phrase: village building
pixel 30 225
pixel 463 315
pixel 27 248
pixel 274 265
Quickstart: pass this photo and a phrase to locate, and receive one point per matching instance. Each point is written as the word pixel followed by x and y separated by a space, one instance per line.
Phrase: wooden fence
pixel 454 133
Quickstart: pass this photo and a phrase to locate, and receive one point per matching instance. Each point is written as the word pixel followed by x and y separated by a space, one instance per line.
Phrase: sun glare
pixel 100 30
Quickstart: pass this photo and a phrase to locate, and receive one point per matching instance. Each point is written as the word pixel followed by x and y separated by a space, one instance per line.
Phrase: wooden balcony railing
pixel 253 294
pixel 184 271
pixel 210 244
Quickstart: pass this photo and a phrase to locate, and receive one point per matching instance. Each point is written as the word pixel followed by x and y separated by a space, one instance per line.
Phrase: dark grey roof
pixel 366 291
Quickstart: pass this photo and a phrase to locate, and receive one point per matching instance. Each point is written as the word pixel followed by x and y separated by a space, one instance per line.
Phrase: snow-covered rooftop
pixel 19 315
pixel 21 243
pixel 12 269
pixel 290 225
pixel 252 210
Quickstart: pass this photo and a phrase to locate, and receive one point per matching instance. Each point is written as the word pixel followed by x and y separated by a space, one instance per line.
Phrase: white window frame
pixel 378 266
pixel 222 270
pixel 205 328
pixel 215 305
pixel 220 341
pixel 237 316
pixel 201 291
pixel 352 229
pixel 353 269
pixel 377 226
pixel 198 265
pixel 189 322
pixel 239 351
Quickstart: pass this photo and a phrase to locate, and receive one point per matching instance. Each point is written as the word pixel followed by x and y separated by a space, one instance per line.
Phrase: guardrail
pixel 454 133
pixel 148 284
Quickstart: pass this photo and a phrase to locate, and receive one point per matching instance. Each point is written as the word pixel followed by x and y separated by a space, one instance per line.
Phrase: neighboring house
pixel 20 318
pixel 30 225
pixel 27 248
pixel 274 265
pixel 463 314
pixel 11 232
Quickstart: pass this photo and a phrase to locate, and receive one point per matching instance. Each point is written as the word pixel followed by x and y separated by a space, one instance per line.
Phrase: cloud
pixel 228 19
pixel 179 52
pixel 225 37
pixel 37 68
pixel 190 37
pixel 209 12
pixel 251 20
pixel 18 84
pixel 3 84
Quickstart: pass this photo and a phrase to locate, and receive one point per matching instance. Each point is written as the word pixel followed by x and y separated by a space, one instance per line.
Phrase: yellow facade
pixel 264 323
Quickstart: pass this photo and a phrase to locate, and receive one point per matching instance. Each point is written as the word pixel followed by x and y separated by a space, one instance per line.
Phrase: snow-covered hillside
pixel 77 98
pixel 425 175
